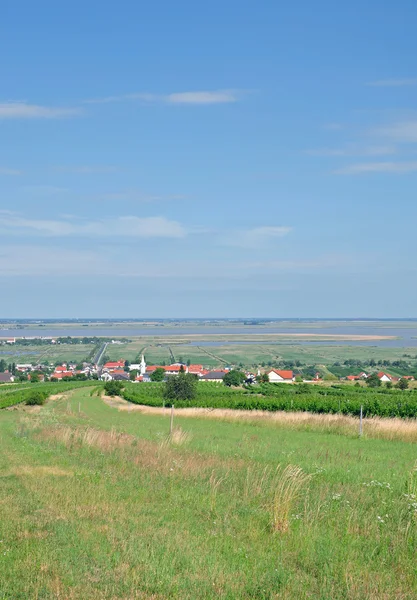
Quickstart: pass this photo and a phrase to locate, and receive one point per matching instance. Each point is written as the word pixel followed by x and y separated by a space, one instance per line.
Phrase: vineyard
pixel 10 395
pixel 302 397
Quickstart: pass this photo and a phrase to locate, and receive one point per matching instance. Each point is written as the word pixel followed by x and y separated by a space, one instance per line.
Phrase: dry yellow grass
pixel 374 427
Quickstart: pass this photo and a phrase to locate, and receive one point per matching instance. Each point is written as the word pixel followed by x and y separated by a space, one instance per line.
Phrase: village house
pixel 278 376
pixel 6 377
pixel 214 376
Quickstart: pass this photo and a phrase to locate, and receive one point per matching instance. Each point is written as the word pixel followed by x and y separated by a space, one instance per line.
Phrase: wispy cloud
pixel 128 226
pixel 87 169
pixel 22 110
pixel 256 237
pixel 196 97
pixel 393 82
pixel 378 167
pixel 7 171
pixel 354 150
pixel 401 131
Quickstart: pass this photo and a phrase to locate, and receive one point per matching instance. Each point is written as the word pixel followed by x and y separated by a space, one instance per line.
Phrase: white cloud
pixel 255 238
pixel 87 169
pixel 196 97
pixel 128 226
pixel 219 97
pixel 378 167
pixel 7 171
pixel 354 150
pixel 393 82
pixel 22 110
pixel 402 131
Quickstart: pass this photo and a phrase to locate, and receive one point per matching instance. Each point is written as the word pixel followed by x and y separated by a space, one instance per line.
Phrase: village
pixel 141 372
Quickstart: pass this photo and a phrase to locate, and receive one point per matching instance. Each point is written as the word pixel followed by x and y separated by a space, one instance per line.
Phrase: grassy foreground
pixel 100 504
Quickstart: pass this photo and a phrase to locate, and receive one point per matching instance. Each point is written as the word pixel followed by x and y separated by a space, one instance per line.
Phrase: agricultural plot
pixel 219 510
pixel 249 354
pixel 46 353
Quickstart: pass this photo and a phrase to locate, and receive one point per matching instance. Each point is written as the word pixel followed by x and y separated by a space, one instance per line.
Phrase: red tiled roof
pixel 283 374
pixel 114 365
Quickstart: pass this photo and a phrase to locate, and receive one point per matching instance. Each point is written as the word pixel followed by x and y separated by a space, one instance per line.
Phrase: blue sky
pixel 221 159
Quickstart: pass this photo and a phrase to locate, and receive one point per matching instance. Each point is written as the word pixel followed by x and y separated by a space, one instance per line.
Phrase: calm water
pixel 407 334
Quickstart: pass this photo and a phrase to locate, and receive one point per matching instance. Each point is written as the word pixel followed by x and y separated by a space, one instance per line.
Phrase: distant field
pixel 101 504
pixel 251 354
pixel 49 354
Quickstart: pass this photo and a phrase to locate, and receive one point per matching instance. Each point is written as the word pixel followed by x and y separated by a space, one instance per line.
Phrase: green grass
pixel 89 513
pixel 250 355
pixel 46 353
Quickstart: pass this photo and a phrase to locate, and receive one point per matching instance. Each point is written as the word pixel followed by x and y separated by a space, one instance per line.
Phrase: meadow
pixel 46 354
pixel 105 504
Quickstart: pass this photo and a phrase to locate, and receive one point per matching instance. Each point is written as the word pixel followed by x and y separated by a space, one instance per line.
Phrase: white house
pixel 276 376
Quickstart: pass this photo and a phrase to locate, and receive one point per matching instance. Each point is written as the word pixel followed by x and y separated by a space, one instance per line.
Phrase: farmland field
pixel 46 353
pixel 101 504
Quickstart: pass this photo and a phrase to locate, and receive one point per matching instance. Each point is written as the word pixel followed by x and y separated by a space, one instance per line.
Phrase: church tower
pixel 142 368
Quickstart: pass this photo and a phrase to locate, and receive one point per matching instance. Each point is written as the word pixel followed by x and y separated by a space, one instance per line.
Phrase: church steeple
pixel 142 366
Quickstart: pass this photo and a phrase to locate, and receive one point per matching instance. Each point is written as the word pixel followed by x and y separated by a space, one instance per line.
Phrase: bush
pixel 234 378
pixel 158 374
pixel 181 387
pixel 36 398
pixel 114 388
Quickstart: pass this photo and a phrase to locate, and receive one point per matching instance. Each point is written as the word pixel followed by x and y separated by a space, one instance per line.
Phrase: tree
pixel 402 384
pixel 388 385
pixel 127 365
pixel 373 381
pixel 188 362
pixel 262 378
pixel 298 379
pixel 113 388
pixel 34 377
pixel 132 374
pixel 36 398
pixel 158 374
pixel 3 365
pixel 181 387
pixel 234 378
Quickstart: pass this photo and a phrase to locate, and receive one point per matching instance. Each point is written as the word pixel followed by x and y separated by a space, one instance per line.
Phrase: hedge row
pixel 22 395
pixel 274 397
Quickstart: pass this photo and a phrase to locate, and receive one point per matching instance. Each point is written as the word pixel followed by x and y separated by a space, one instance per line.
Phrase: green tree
pixel 188 362
pixel 132 374
pixel 114 388
pixel 263 378
pixel 234 378
pixel 34 377
pixel 402 384
pixel 158 374
pixel 127 365
pixel 3 365
pixel 181 387
pixel 388 385
pixel 36 398
pixel 373 381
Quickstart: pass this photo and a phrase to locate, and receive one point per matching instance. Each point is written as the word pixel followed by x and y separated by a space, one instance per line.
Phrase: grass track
pixel 125 515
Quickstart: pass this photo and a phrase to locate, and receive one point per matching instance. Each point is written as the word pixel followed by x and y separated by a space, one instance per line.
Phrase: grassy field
pixel 46 353
pixel 254 354
pixel 103 505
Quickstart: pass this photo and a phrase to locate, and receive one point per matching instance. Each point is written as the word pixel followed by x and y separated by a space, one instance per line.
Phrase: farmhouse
pixel 384 377
pixel 112 366
pixel 214 376
pixel 6 378
pixel 276 376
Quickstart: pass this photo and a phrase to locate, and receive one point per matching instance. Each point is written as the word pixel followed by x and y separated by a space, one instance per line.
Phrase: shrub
pixel 158 374
pixel 114 388
pixel 36 398
pixel 181 387
pixel 234 378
